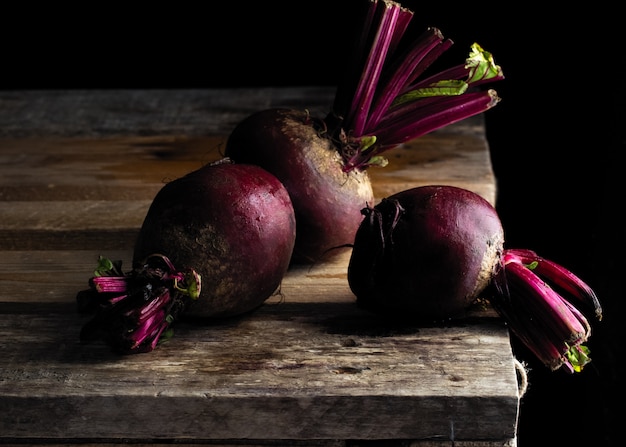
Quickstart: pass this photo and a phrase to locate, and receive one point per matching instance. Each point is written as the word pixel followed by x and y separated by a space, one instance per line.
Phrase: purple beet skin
pixel 425 253
pixel 234 224
pixel 327 200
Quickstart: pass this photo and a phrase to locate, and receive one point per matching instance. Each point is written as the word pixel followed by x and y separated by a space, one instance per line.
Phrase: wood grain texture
pixel 80 193
pixel 191 112
pixel 303 366
pixel 78 171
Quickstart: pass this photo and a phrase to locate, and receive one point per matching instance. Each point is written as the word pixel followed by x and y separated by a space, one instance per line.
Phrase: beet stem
pixel 363 97
pixel 547 305
pixel 401 73
pixel 575 287
pixel 134 310
pixel 426 117
pixel 389 104
pixel 546 321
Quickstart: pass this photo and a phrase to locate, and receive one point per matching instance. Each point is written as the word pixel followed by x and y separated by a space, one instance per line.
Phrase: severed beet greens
pixel 135 310
pixel 545 306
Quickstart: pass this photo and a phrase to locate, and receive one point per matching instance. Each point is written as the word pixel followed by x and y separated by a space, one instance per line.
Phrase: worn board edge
pixel 510 442
pixel 250 415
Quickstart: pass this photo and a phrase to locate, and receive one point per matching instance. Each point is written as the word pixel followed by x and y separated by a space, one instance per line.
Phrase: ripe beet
pixel 382 101
pixel 234 224
pixel 425 253
pixel 326 200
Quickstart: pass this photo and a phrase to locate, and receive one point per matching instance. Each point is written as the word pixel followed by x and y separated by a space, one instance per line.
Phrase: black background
pixel 554 138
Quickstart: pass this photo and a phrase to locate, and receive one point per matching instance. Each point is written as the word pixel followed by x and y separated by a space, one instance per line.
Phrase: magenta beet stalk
pixel 544 305
pixel 134 311
pixel 390 97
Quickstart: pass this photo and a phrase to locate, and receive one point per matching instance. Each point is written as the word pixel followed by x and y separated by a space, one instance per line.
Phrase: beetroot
pixel 326 199
pixel 383 101
pixel 234 224
pixel 425 253
pixel 215 243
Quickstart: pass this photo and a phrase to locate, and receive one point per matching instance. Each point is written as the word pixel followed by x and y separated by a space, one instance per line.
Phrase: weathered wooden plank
pixel 55 276
pixel 291 370
pixel 49 276
pixel 439 158
pixel 191 112
pixel 60 193
pixel 308 360
pixel 297 443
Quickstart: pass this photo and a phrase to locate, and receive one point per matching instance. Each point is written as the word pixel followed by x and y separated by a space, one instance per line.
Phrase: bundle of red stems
pixel 384 100
pixel 135 310
pixel 539 300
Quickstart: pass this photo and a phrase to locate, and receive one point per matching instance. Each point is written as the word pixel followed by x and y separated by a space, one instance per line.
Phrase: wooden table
pixel 78 170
